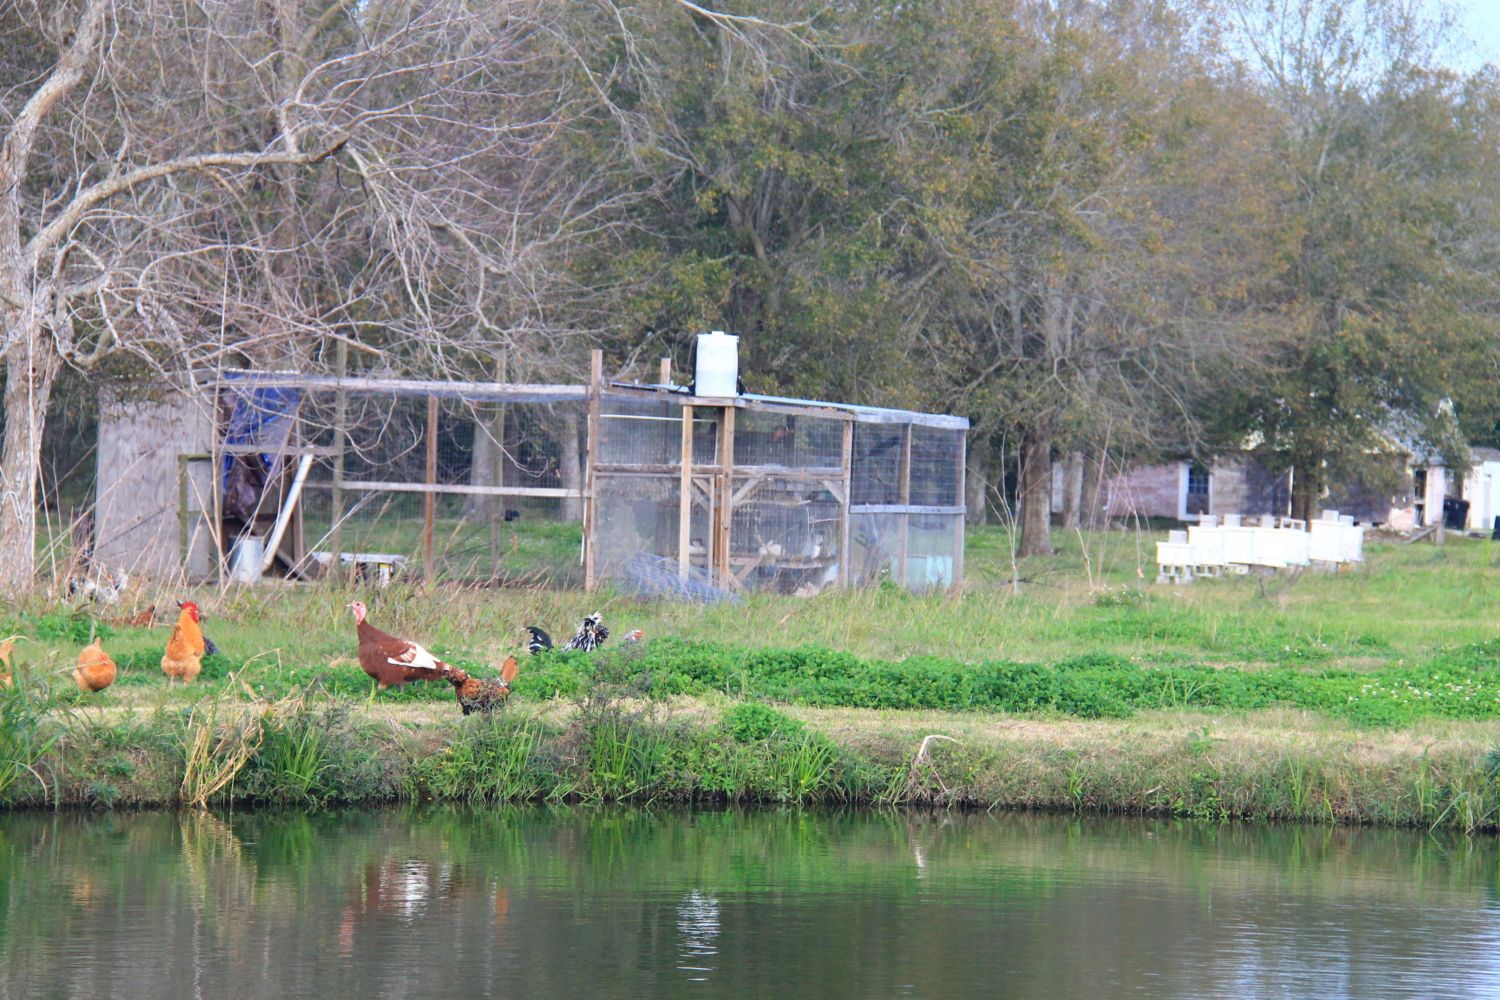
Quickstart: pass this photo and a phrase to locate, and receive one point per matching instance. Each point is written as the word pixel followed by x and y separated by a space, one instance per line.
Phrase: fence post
pixel 903 487
pixel 685 498
pixel 726 498
pixel 497 468
pixel 429 499
pixel 590 514
pixel 336 498
pixel 846 459
pixel 960 527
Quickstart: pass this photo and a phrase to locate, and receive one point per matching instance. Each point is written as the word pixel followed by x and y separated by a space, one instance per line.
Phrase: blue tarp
pixel 261 416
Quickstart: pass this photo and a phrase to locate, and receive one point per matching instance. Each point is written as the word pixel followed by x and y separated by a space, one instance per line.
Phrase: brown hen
pixel 95 670
pixel 479 694
pixel 184 657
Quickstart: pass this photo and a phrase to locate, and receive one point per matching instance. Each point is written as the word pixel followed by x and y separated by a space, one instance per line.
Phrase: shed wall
pixel 136 521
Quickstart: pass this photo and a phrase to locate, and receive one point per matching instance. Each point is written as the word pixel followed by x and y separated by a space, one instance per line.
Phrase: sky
pixel 1481 22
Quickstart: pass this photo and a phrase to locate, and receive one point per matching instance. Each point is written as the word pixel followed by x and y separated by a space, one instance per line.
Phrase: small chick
pixel 95 670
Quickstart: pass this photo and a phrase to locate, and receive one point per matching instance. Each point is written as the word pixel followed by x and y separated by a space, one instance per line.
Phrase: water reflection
pixel 552 903
pixel 698 927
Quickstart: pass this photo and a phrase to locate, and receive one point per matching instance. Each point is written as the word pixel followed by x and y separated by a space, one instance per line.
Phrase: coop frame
pixel 709 487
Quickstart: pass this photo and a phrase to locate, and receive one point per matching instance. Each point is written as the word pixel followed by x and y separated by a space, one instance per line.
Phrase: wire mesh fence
pixel 775 495
pixel 557 486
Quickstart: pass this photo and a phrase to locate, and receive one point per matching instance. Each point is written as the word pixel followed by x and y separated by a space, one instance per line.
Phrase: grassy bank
pixel 314 752
pixel 1371 695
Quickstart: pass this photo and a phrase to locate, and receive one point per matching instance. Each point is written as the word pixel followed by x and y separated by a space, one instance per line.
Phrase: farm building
pixel 645 487
pixel 1186 490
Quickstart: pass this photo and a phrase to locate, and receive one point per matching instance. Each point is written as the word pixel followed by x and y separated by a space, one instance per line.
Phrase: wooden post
pixel 903 493
pixel 497 470
pixel 959 521
pixel 666 372
pixel 726 495
pixel 429 499
pixel 336 500
pixel 847 456
pixel 590 503
pixel 685 497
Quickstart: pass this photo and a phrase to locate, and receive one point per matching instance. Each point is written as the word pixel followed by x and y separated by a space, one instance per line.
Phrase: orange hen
pixel 6 645
pixel 95 670
pixel 184 657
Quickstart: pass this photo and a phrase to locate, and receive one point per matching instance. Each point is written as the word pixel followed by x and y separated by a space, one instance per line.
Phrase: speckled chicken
pixel 590 635
pixel 390 661
pixel 480 694
pixel 183 660
pixel 95 670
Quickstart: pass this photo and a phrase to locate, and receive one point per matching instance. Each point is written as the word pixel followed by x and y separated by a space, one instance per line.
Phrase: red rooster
pixel 392 661
pixel 477 694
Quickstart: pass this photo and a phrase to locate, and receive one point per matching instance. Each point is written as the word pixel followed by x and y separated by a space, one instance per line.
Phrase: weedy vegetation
pixel 1366 696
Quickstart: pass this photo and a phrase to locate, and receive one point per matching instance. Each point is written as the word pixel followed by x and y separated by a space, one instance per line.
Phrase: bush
pixel 750 722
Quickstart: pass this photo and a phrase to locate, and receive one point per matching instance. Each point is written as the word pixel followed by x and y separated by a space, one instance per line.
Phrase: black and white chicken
pixel 590 636
pixel 539 640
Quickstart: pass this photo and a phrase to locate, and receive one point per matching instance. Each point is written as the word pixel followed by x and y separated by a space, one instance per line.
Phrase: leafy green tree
pixel 1387 301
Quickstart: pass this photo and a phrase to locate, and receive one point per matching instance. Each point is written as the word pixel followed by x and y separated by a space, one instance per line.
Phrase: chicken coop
pixel 643 487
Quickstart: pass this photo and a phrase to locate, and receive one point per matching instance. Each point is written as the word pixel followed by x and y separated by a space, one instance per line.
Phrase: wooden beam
pixel 462 489
pixel 903 491
pixel 590 492
pixel 726 494
pixel 959 523
pixel 284 515
pixel 623 469
pixel 909 508
pixel 281 450
pixel 340 440
pixel 429 499
pixel 684 491
pixel 846 556
pixel 514 392
pixel 497 464
pixel 753 484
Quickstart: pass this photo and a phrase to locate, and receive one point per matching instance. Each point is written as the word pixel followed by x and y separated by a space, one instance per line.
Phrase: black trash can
pixel 1455 514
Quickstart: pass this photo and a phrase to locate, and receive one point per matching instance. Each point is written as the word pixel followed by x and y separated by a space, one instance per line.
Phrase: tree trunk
pixel 488 465
pixel 1035 493
pixel 977 489
pixel 30 367
pixel 572 465
pixel 1072 516
pixel 483 465
pixel 1307 487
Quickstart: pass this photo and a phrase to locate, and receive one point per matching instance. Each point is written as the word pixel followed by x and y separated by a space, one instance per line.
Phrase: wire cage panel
pixel 877 463
pixel 501 483
pixel 464 487
pixel 788 440
pixel 936 467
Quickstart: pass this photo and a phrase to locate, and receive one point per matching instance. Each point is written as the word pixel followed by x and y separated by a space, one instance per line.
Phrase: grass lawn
pixel 1081 686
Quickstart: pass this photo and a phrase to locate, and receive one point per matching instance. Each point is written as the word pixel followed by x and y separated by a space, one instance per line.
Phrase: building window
pixel 1197 490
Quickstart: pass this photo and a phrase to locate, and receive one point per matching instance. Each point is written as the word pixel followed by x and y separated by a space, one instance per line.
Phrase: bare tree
pixel 189 186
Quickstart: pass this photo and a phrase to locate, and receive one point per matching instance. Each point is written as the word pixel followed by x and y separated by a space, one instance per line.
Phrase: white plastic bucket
pixel 718 364
pixel 245 560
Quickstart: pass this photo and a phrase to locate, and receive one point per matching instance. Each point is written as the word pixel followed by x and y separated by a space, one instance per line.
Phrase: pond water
pixel 533 902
